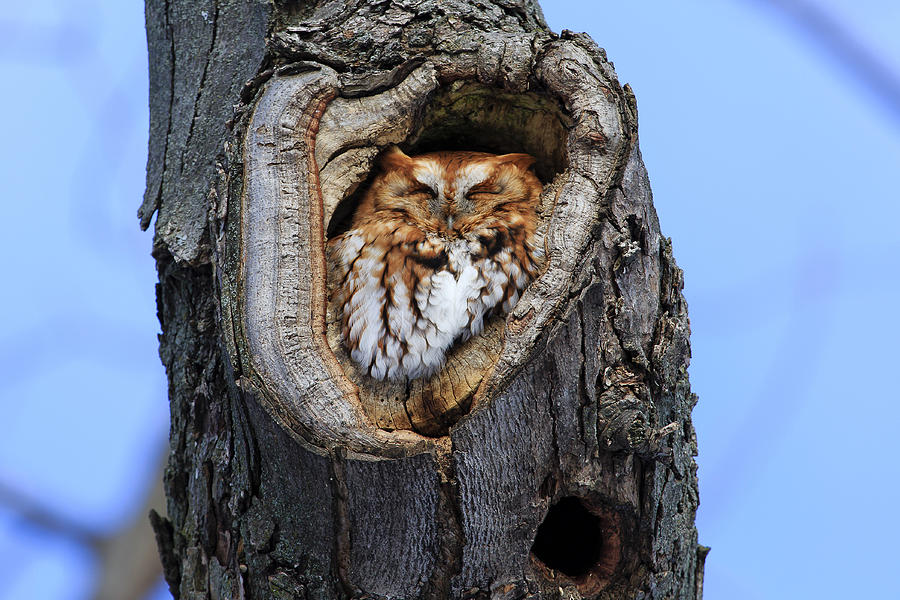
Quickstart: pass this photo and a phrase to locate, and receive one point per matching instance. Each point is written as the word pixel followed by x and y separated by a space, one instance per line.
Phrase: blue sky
pixel 775 171
pixel 775 167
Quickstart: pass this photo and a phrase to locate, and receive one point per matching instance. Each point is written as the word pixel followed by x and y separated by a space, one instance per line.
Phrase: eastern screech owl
pixel 438 243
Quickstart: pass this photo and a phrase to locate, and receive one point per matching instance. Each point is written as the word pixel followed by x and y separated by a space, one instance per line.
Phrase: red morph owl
pixel 438 244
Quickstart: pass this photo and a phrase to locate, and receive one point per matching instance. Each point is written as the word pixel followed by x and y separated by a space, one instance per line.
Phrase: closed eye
pixel 398 212
pixel 471 194
pixel 514 203
pixel 422 189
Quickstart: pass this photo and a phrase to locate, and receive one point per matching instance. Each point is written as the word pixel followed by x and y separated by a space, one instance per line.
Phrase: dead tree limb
pixel 552 457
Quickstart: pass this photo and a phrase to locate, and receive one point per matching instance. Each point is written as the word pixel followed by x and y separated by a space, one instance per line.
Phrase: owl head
pixel 451 194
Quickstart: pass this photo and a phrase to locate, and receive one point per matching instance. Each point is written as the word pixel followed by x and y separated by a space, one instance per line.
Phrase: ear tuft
pixel 522 161
pixel 393 158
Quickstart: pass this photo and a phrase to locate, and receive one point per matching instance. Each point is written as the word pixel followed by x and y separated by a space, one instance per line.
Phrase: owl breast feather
pixel 400 316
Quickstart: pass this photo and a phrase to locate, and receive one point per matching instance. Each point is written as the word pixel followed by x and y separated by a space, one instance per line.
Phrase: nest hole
pixel 581 542
pixel 570 539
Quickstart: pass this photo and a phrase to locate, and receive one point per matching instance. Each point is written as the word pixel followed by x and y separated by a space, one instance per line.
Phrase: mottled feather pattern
pixel 439 243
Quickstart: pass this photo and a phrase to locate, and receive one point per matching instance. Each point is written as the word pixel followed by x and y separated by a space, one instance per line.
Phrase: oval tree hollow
pixel 458 116
pixel 309 146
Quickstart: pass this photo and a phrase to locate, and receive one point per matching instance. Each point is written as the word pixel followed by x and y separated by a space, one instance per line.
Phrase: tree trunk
pixel 550 458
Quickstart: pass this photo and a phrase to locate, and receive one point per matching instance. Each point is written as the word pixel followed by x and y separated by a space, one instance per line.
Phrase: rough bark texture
pixel 290 478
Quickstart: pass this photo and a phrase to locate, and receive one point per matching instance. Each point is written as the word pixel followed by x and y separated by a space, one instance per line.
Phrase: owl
pixel 438 244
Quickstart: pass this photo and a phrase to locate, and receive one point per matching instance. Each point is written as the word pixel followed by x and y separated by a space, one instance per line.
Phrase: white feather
pixel 452 303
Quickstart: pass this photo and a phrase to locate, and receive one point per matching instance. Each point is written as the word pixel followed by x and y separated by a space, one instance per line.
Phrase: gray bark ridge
pixel 280 483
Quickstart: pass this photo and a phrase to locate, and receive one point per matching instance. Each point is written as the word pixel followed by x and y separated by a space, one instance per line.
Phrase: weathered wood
pixel 293 476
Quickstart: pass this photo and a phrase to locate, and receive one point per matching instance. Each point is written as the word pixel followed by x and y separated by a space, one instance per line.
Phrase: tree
pixel 551 457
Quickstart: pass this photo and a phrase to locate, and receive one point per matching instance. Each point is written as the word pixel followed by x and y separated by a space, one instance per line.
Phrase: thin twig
pixel 828 33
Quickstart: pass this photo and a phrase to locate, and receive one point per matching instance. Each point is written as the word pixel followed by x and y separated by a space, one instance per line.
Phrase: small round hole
pixel 570 539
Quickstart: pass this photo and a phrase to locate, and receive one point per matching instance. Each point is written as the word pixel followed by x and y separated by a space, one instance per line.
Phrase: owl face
pixel 450 193
pixel 439 243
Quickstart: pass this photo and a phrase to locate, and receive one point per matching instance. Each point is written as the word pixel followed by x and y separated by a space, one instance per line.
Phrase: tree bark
pixel 551 458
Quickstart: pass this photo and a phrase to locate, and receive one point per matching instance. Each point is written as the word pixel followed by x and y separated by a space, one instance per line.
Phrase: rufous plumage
pixel 439 243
